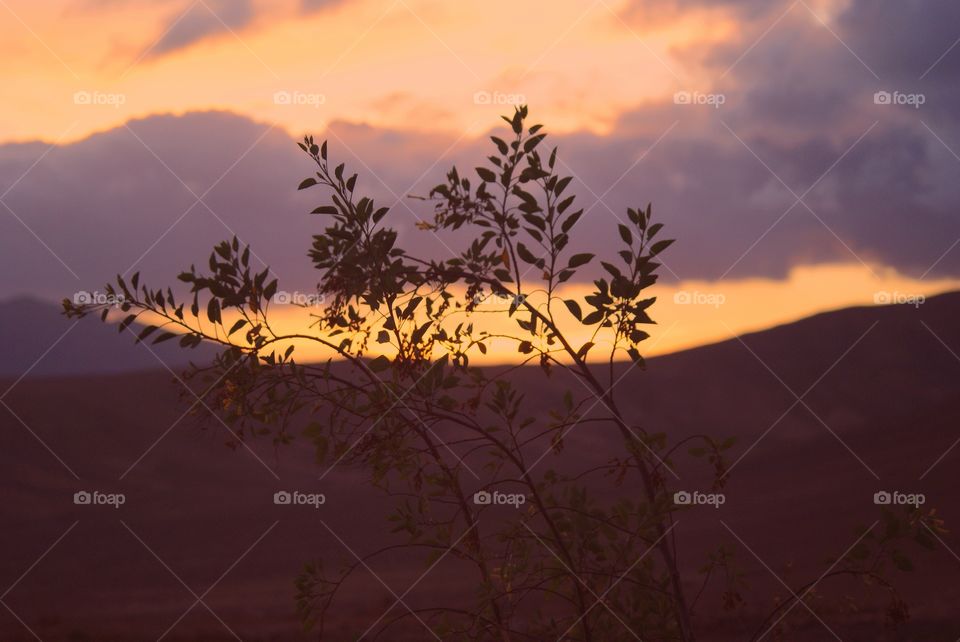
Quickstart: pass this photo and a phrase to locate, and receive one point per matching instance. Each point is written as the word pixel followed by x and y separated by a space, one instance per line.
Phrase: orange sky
pixel 403 63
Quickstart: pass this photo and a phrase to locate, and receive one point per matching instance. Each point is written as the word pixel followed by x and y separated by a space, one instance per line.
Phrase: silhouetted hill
pixel 36 337
pixel 883 411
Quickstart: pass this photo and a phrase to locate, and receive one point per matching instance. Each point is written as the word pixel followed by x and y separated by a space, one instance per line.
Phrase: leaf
pixel 525 254
pixel 325 209
pixel 486 175
pixel 307 182
pixel 570 221
pixel 660 246
pixel 579 259
pixel 525 347
pixel 574 308
pixel 584 349
pixel 166 336
pixel 593 318
pixel 270 290
pixel 126 323
pixel 417 336
pixel 625 234
pixel 146 332
pixel 517 122
pixel 611 268
pixel 380 364
pixel 383 336
pixel 532 142
pixel 565 203
pixel 236 326
pixel 213 311
pixel 190 340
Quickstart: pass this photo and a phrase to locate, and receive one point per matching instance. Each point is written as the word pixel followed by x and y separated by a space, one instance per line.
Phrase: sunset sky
pixel 406 64
pixel 804 153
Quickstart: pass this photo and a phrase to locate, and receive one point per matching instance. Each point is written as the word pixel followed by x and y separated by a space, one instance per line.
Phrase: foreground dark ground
pixel 883 408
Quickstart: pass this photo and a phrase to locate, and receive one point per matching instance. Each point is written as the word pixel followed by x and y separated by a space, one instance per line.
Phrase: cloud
pixel 202 20
pixel 205 19
pixel 645 14
pixel 312 6
pixel 106 203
